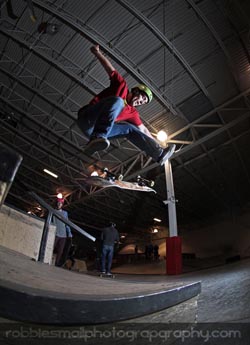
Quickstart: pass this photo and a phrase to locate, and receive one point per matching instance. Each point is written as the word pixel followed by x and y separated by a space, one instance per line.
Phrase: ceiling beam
pixel 217 38
pixel 77 25
pixel 162 38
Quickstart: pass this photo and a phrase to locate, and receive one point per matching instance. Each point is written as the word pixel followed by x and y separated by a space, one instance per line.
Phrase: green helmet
pixel 146 90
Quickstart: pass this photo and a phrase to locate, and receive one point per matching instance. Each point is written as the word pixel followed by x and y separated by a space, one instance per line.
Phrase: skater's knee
pixel 133 130
pixel 116 102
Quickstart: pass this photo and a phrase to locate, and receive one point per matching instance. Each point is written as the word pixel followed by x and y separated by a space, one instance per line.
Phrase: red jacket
pixel 118 87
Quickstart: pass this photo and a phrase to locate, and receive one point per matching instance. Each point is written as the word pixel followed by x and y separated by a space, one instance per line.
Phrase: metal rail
pixel 51 212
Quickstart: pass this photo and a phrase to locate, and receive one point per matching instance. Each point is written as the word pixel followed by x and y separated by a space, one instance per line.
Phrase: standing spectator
pixel 146 252
pixel 156 252
pixel 109 236
pixel 150 251
pixel 136 249
pixel 136 252
pixel 63 232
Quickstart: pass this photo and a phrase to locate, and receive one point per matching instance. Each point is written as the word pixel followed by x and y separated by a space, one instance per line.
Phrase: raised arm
pixel 109 68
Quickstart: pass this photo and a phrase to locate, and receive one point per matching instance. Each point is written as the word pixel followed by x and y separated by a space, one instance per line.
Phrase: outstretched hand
pixel 95 49
pixel 104 61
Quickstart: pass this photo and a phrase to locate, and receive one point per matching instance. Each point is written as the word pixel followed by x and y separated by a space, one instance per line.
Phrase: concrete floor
pixel 222 307
pixel 225 295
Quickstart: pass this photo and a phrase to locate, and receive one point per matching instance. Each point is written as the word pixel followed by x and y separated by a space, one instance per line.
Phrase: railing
pixel 9 163
pixel 51 212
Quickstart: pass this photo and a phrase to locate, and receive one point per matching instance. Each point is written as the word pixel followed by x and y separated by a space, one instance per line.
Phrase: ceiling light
pixel 50 173
pixel 47 28
pixel 155 231
pixel 162 136
pixel 157 220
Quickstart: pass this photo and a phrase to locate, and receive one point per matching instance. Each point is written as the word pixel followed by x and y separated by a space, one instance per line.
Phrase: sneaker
pixel 97 144
pixel 109 274
pixel 166 154
pixel 103 272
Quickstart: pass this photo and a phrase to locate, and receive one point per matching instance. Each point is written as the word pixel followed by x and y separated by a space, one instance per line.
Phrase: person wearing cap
pixel 109 237
pixel 63 233
pixel 112 114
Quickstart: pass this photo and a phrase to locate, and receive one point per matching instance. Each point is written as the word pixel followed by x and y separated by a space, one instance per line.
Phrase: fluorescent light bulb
pixel 50 173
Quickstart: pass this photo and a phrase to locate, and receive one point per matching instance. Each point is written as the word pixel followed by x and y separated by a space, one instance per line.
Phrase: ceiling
pixel 194 55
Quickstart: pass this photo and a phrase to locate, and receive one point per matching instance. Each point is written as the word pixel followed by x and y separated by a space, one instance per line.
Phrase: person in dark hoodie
pixel 109 237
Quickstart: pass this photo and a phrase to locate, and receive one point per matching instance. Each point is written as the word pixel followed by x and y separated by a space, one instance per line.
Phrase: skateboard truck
pixel 111 176
pixel 144 182
pixel 105 173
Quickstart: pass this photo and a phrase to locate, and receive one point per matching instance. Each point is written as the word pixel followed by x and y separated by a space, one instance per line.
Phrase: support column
pixel 171 200
pixel 44 238
pixel 9 164
pixel 173 242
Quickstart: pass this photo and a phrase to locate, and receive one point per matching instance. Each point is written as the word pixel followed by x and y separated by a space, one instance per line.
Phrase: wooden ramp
pixel 39 293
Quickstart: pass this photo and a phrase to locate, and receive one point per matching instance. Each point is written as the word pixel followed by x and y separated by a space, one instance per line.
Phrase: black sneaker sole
pixel 91 148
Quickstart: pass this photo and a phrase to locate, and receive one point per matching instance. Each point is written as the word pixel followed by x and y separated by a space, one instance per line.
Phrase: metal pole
pixel 170 200
pixel 9 164
pixel 44 238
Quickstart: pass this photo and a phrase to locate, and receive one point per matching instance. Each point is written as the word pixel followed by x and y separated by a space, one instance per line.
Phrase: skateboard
pixel 109 183
pixel 105 275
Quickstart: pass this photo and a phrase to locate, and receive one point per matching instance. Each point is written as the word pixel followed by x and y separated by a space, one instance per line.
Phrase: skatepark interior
pixel 195 57
pixel 40 296
pixel 222 303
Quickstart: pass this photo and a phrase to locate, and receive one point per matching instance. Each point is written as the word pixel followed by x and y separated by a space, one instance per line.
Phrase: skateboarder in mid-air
pixel 112 114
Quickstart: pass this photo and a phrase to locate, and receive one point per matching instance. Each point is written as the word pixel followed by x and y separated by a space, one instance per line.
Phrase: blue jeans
pixel 99 120
pixel 107 253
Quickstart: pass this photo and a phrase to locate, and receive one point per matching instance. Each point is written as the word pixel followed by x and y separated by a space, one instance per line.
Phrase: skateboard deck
pixel 104 275
pixel 103 183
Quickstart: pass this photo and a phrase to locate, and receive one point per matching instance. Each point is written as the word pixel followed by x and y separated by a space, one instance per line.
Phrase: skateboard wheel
pixel 120 177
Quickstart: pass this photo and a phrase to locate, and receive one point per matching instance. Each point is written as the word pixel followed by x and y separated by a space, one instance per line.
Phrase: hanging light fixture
pixel 162 136
pixel 50 173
